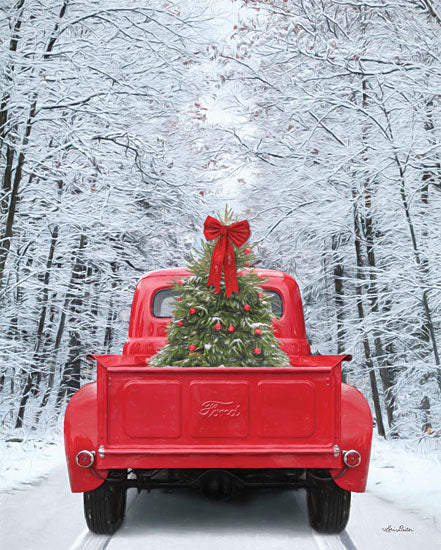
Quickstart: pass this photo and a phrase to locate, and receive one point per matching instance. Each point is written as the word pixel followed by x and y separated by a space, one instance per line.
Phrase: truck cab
pixel 152 306
pixel 219 430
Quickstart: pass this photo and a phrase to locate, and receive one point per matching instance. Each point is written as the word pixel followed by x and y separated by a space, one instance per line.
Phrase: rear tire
pixel 328 505
pixel 105 507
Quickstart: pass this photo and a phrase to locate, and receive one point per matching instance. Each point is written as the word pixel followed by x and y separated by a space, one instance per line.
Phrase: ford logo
pixel 219 408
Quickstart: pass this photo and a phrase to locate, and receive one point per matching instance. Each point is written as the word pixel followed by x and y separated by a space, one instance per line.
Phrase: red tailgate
pixel 224 417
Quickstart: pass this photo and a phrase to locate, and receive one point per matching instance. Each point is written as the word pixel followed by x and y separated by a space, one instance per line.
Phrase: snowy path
pixel 43 516
pixel 47 516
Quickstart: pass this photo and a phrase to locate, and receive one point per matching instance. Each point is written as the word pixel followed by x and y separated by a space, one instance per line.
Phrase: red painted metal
pixel 217 418
pixel 228 417
pixel 356 422
pixel 80 433
pixel 147 333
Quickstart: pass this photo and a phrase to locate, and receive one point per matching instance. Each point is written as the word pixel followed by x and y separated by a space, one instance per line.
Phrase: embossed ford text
pixel 219 408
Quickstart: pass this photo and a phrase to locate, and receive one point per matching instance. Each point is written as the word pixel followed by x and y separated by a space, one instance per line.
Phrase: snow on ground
pixel 403 472
pixel 46 514
pixel 24 463
pixel 408 474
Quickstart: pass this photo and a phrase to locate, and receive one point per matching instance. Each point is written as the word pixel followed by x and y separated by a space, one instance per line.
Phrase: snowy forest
pixel 123 124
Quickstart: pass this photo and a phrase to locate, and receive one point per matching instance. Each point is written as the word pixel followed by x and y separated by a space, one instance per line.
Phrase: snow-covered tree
pixel 99 168
pixel 342 129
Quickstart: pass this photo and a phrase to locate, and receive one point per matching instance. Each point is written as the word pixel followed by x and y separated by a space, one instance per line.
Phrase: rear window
pixel 163 303
pixel 276 302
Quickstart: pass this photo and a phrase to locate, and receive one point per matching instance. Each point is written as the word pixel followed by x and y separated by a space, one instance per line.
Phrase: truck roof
pixel 176 272
pixel 147 333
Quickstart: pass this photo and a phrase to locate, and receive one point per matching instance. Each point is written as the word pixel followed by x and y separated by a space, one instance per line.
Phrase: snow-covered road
pixel 47 516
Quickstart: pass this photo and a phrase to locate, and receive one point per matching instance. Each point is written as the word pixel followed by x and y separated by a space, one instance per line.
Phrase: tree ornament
pixel 257 351
pixel 180 323
pixel 191 347
pixel 179 298
pixel 246 264
pixel 260 295
pixel 247 251
pixel 231 328
pixel 258 331
pixel 217 326
pixel 192 311
pixel 223 253
pixel 247 307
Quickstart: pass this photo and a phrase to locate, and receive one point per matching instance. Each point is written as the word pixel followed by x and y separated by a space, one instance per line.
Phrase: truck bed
pixel 219 418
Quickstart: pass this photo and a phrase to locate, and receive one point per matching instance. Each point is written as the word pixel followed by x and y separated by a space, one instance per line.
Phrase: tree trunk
pixel 339 299
pixel 108 337
pixel 31 383
pixel 37 363
pixel 76 271
pixel 4 114
pixel 94 305
pixel 366 224
pixel 13 188
pixel 385 369
pixel 361 315
pixel 6 96
pixel 420 268
pixel 71 373
pixel 5 243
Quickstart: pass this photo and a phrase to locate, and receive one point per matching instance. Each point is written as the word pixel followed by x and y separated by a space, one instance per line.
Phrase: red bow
pixel 223 253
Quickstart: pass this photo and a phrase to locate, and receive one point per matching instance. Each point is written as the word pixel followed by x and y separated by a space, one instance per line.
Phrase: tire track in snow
pixel 348 543
pixel 342 541
pixel 90 541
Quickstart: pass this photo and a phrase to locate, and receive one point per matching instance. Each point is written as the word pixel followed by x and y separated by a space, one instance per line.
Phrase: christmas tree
pixel 221 320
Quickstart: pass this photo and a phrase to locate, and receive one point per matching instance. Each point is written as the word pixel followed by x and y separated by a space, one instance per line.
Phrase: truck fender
pixel 356 434
pixel 80 433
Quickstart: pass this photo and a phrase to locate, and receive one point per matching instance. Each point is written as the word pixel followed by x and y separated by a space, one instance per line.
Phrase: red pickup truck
pixel 220 430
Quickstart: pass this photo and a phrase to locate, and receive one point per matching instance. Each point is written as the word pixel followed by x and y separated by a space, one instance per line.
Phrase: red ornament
pixel 191 347
pixel 260 295
pixel 247 251
pixel 217 326
pixel 192 311
pixel 257 351
pixel 247 307
pixel 223 253
pixel 179 298
pixel 180 323
pixel 247 264
pixel 257 331
pixel 231 328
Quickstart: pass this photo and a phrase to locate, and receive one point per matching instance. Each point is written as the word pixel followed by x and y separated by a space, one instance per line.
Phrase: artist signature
pixel 400 529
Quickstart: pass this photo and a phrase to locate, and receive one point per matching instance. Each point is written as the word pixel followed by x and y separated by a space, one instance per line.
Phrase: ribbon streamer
pixel 223 253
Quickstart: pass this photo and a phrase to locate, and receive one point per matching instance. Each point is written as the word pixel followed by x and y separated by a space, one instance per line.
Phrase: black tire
pixel 105 507
pixel 328 504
